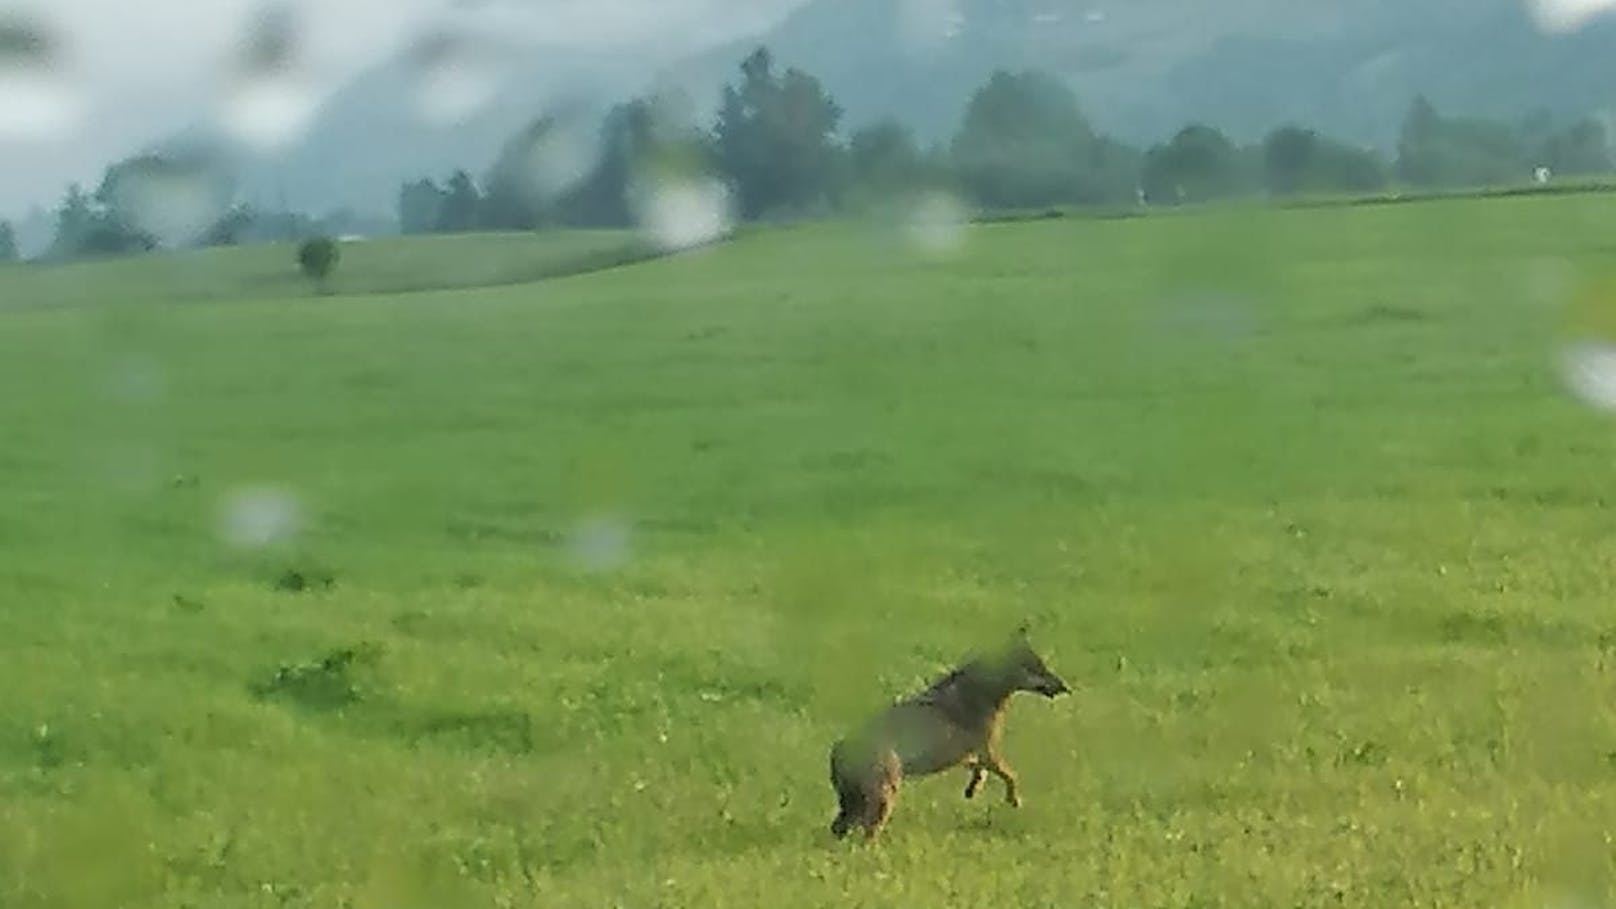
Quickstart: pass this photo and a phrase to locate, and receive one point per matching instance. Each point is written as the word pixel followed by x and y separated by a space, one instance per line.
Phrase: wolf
pixel 956 721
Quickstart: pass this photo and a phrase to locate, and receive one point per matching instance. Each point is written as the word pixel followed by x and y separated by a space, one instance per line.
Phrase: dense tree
pixel 457 206
pixel 8 243
pixel 776 138
pixel 1438 151
pixel 643 143
pixel 75 221
pixel 85 228
pixel 627 139
pixel 1579 150
pixel 1290 154
pixel 176 199
pixel 1199 164
pixel 1024 142
pixel 462 208
pixel 1297 160
pixel 884 161
pixel 232 229
pixel 515 200
pixel 1113 172
pixel 420 206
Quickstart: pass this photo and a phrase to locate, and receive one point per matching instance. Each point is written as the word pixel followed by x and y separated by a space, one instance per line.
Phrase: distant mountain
pixel 920 60
pixel 1483 58
pixel 371 136
pixel 1142 68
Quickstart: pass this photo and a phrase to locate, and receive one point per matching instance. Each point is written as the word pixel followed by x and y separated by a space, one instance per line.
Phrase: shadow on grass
pixel 338 689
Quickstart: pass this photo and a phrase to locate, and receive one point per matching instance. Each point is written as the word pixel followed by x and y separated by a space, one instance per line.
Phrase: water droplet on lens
pixel 1560 16
pixel 1589 370
pixel 270 114
pixel 137 379
pixel 260 516
pixel 38 100
pixel 600 543
pixel 130 466
pixel 175 200
pixel 677 214
pixel 270 100
pixel 456 75
pixel 926 26
pixel 937 223
pixel 1210 314
pixel 548 159
pixel 1549 280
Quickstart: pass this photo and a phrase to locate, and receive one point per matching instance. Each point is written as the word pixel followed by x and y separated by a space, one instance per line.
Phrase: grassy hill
pixel 555 594
pixel 378 266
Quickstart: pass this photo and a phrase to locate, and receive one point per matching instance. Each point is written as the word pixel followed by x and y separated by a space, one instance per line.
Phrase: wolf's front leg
pixel 978 774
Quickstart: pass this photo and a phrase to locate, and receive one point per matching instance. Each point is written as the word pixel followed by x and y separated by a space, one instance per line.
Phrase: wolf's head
pixel 1027 670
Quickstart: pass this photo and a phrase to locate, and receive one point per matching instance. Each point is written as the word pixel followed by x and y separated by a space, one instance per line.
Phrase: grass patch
pixel 382 266
pixel 1294 499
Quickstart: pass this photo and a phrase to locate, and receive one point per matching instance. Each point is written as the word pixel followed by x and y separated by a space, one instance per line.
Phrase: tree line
pixel 1023 142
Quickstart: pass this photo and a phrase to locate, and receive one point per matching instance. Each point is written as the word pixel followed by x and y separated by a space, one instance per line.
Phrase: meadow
pixel 555 593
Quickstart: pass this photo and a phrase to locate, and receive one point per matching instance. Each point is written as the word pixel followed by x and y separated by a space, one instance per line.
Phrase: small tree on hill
pixel 318 258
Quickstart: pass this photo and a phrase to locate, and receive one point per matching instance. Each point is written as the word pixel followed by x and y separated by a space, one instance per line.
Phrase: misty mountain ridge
pixel 1141 68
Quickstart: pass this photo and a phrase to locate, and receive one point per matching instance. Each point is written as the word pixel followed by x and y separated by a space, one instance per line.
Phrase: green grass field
pixel 1296 501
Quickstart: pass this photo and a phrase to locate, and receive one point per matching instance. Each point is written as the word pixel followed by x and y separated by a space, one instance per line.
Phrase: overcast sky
pixel 131 72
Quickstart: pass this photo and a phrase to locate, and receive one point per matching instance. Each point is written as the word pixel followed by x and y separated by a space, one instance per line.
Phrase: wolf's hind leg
pixel 881 797
pixel 1012 788
pixel 879 810
pixel 851 809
